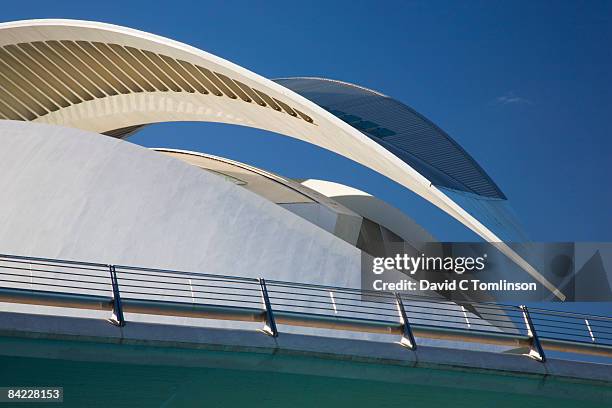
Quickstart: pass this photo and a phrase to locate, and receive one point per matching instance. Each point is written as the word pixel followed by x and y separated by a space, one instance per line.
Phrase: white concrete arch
pixel 84 85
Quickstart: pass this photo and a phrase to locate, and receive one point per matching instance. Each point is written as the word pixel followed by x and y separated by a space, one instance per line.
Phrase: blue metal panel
pixel 402 131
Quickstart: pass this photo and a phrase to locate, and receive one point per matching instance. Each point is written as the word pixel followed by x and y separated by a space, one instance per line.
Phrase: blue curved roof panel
pixel 401 130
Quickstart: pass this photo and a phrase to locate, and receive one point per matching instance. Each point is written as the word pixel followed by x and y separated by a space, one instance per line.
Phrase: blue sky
pixel 524 87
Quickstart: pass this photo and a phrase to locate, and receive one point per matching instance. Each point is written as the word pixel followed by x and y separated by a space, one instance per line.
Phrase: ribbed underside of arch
pixel 41 77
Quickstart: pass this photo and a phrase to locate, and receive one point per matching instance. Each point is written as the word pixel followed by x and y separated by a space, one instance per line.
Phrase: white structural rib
pixel 102 77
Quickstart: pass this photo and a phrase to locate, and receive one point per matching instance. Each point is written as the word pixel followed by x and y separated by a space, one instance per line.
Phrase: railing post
pixel 535 351
pixel 117 316
pixel 270 324
pixel 407 337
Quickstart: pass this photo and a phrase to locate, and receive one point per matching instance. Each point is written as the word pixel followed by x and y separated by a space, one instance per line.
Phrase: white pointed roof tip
pixel 329 132
pixel 333 189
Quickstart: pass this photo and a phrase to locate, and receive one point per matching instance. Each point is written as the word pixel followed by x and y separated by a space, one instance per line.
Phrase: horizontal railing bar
pixel 579 322
pixel 463 323
pixel 586 336
pixel 51 278
pixel 54 265
pixel 416 299
pixel 51 284
pixel 490 305
pixel 473 323
pixel 60 261
pixel 124 269
pixel 329 303
pixel 329 308
pixel 570 325
pixel 593 323
pixel 325 294
pixel 188 290
pixel 584 329
pixel 336 289
pixel 123 279
pixel 577 315
pixel 568 336
pixel 185 275
pixel 199 300
pixel 44 271
pixel 409 306
pixel 187 297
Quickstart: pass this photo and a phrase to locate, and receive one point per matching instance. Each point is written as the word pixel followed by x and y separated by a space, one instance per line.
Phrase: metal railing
pixel 126 289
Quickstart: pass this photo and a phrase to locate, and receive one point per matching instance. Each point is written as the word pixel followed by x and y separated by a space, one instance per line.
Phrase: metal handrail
pixel 191 294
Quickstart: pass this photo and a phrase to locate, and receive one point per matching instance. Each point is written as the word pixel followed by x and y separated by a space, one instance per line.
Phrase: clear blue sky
pixel 524 87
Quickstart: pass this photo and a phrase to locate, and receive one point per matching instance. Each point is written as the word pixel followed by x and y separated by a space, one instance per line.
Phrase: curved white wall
pixel 72 194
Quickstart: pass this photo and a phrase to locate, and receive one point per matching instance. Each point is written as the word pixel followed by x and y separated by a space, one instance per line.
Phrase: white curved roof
pixel 274 187
pixel 103 77
pixel 339 198
pixel 374 209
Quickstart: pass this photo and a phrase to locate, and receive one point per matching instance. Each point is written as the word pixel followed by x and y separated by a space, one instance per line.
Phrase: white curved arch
pixel 135 108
